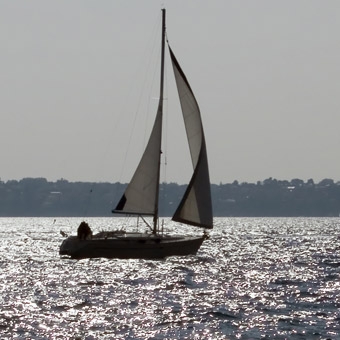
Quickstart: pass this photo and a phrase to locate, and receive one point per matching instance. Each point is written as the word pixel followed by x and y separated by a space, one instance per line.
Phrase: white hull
pixel 131 246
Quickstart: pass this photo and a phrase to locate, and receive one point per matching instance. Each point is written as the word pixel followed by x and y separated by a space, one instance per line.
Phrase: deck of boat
pixel 130 245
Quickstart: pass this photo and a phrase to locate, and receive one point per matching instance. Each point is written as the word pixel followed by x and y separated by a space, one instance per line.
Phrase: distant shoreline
pixel 37 197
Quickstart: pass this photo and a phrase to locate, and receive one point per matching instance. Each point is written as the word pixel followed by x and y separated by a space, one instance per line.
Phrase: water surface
pixel 255 278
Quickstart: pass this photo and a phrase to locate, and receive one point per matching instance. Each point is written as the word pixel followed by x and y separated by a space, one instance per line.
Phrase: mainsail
pixel 141 196
pixel 195 207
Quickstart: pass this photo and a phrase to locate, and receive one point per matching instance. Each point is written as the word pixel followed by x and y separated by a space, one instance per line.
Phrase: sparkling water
pixel 255 278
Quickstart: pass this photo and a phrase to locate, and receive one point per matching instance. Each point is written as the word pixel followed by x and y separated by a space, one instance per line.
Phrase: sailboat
pixel 142 193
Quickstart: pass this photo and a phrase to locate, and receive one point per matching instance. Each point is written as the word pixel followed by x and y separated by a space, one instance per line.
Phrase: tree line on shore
pixel 39 197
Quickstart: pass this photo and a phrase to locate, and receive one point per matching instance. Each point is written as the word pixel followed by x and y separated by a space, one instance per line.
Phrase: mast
pixel 160 110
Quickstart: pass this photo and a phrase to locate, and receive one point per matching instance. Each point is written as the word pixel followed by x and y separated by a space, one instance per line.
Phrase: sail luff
pixel 195 207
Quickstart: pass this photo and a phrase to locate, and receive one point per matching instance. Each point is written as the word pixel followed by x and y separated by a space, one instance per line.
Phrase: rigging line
pixel 117 123
pixel 153 43
pixel 148 110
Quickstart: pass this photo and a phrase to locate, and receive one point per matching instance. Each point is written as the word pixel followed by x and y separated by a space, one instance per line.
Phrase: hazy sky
pixel 73 76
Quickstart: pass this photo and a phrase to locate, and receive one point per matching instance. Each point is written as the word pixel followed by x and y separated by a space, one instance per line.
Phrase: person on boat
pixel 84 231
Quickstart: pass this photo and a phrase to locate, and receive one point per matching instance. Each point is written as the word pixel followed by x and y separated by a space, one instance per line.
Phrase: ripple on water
pixel 254 278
